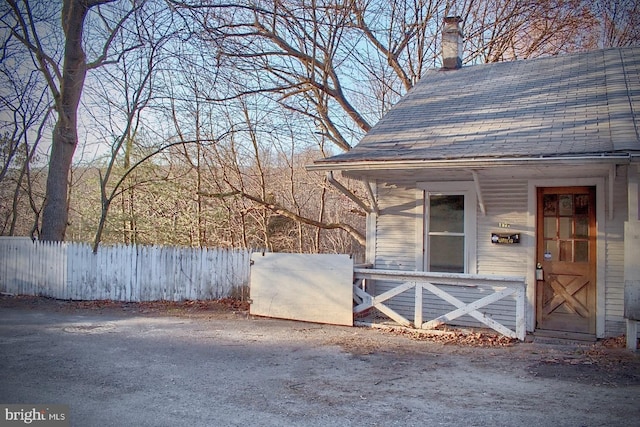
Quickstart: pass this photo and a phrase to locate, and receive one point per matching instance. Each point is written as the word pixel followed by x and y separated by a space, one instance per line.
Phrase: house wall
pixel 399 246
pixel 506 212
pixel 398 226
pixel 614 274
pixel 399 243
pixel 398 231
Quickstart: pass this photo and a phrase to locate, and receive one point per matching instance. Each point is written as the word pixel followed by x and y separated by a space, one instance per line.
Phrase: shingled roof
pixel 571 105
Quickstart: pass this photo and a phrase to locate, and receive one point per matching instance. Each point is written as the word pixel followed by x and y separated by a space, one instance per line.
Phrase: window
pixel 566 225
pixel 449 227
pixel 446 233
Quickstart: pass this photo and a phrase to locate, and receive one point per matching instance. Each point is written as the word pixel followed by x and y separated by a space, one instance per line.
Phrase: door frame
pixel 564 267
pixel 599 184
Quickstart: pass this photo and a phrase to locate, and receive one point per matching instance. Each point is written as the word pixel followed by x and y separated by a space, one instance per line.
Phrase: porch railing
pixel 500 286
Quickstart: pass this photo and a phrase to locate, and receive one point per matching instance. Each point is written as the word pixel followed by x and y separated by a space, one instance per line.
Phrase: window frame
pixel 452 188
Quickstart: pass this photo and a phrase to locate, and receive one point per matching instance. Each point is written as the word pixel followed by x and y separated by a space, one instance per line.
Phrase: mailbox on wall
pixel 505 239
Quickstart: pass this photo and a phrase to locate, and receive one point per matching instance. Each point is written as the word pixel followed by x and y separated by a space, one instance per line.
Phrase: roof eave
pixel 380 165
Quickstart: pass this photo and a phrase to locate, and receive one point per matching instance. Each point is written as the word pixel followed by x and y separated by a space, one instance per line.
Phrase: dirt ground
pixel 193 362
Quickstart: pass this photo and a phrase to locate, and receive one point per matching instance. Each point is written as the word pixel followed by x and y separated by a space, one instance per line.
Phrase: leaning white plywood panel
pixel 307 287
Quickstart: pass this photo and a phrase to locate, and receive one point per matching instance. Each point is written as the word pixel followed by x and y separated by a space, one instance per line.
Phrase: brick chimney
pixel 452 43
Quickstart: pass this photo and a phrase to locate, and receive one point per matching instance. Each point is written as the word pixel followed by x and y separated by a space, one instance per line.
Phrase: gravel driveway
pixel 128 367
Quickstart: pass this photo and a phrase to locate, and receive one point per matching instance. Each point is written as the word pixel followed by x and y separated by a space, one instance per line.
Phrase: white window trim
pixel 466 188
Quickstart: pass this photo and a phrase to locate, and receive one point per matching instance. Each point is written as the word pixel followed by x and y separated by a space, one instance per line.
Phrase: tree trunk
pixel 56 209
pixel 65 133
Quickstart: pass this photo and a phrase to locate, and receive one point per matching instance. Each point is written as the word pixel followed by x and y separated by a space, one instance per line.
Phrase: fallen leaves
pixel 450 336
pixel 155 307
pixel 614 342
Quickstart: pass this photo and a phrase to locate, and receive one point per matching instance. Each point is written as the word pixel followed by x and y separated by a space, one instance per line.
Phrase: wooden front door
pixel 566 251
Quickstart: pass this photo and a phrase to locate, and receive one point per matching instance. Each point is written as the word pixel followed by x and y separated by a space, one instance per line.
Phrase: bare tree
pixel 25 107
pixel 134 87
pixel 64 68
pixel 505 30
pixel 299 46
pixel 342 63
pixel 248 92
pixel 194 119
pixel 269 173
pixel 619 21
pixel 338 65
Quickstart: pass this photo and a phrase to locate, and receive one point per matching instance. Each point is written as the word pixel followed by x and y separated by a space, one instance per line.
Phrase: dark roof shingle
pixel 578 104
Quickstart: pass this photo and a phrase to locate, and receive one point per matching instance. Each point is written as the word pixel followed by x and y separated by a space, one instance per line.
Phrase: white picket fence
pixel 120 273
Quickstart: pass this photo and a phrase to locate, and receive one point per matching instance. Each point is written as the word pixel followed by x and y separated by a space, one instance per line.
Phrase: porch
pixel 447 287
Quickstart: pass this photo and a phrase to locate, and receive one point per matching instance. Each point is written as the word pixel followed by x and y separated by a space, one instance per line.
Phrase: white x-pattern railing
pixel 433 282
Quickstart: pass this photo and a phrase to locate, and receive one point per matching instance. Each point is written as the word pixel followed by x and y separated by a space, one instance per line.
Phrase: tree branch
pixel 280 210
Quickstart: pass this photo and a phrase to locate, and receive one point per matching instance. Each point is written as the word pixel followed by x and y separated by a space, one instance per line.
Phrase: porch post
pixel 521 326
pixel 417 320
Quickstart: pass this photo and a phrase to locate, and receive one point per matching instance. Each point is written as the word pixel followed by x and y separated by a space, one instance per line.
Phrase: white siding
pixel 502 311
pixel 614 290
pixel 505 203
pixel 400 214
pixel 399 240
pixel 399 245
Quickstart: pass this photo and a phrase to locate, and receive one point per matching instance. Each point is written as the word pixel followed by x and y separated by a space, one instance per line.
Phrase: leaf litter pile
pixel 471 338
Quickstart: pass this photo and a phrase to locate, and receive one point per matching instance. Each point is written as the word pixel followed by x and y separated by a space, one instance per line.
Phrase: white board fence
pixel 120 273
